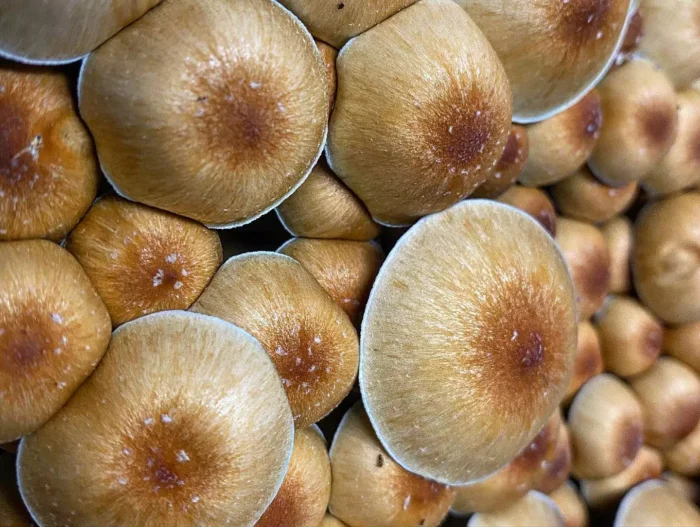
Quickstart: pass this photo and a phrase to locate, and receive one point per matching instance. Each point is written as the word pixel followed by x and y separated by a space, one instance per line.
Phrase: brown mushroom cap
pixel 370 489
pixel 310 339
pixel 218 123
pixel 683 343
pixel 533 509
pixel 571 505
pixel 471 324
pixel 40 32
pixel 560 145
pixel 653 503
pixel 48 169
pixel 416 128
pixel 142 260
pixel 182 414
pixel 588 361
pixel 556 467
pixel 323 207
pixel 535 202
pixel 329 54
pixel 618 233
pixel 509 166
pixel 53 331
pixel 13 513
pixel 666 258
pixel 640 123
pixel 684 457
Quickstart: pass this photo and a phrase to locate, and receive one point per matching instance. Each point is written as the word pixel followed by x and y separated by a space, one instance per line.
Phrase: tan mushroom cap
pixel 666 258
pixel 639 125
pixel 683 343
pixel 331 521
pixel 571 505
pixel 471 324
pixel 554 52
pixel 53 331
pixel 182 414
pixel 13 513
pixel 509 166
pixel 535 202
pixel 653 503
pixel 142 260
pixel 684 456
pixel 310 339
pixel 370 489
pixel 618 233
pixel 560 145
pixel 323 207
pixel 534 508
pixel 556 467
pixel 418 127
pixel 218 123
pixel 302 499
pixel 48 168
pixel 329 54
pixel 41 32
pixel 588 361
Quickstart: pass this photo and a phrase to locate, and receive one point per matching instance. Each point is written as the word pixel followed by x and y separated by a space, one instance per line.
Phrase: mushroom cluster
pixel 350 263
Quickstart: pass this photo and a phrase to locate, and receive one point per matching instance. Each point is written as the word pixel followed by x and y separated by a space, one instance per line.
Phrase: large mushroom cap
pixel 654 503
pixel 211 109
pixel 182 414
pixel 471 325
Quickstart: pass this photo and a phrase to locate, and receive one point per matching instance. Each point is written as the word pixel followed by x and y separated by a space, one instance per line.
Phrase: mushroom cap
pixel 422 114
pixel 331 521
pixel 54 329
pixel 554 52
pixel 323 207
pixel 370 488
pixel 48 168
pixel 13 513
pixel 556 467
pixel 588 361
pixel 534 508
pixel 471 324
pixel 509 166
pixel 218 123
pixel 41 32
pixel 535 202
pixel 329 54
pixel 166 260
pixel 683 343
pixel 683 456
pixel 666 258
pixel 309 338
pixel 682 485
pixel 571 505
pixel 618 233
pixel 653 503
pixel 182 414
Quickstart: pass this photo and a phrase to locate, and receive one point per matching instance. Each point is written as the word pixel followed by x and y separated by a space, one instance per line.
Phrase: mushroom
pixel 554 52
pixel 571 505
pixel 588 258
pixel 633 37
pixel 329 54
pixel 534 508
pixel 13 513
pixel 48 169
pixel 218 123
pixel 588 361
pixel 417 128
pixel 560 145
pixel 182 414
pixel 471 325
pixel 309 337
pixel 683 343
pixel 370 489
pixel 618 233
pixel 653 503
pixel 166 260
pixel 601 493
pixel 583 197
pixel 302 499
pixel 606 427
pixel 535 202
pixel 680 168
pixel 323 207
pixel 556 467
pixel 40 32
pixel 639 123
pixel 509 166
pixel 682 485
pixel 345 269
pixel 665 259
pixel 683 456
pixel 630 336
pixel 53 331
pixel 331 521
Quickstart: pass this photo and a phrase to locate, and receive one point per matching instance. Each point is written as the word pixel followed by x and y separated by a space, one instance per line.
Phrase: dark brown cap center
pixel 658 124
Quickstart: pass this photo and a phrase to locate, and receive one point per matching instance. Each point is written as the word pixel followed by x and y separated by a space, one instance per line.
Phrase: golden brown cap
pixel 653 503
pixel 13 513
pixel 310 339
pixel 53 331
pixel 218 123
pixel 509 166
pixel 142 260
pixel 329 54
pixel 571 505
pixel 556 467
pixel 535 202
pixel 618 233
pixel 588 361
pixel 471 324
pixel 182 414
pixel 418 127
pixel 370 488
pixel 683 343
pixel 48 168
pixel 533 509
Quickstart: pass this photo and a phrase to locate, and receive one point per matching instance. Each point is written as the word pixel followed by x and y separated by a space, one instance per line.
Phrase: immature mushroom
pixel 417 128
pixel 560 145
pixel 653 503
pixel 142 260
pixel 684 456
pixel 471 325
pixel 683 343
pixel 323 207
pixel 553 52
pixel 556 467
pixel 639 123
pixel 331 521
pixel 535 202
pixel 13 513
pixel 48 168
pixel 682 485
pixel 509 166
pixel 329 54
pixel 53 330
pixel 571 505
pixel 618 233
pixel 665 259
pixel 630 336
pixel 182 414
pixel 302 499
pixel 345 269
pixel 533 509
pixel 218 123
pixel 309 337
pixel 588 361
pixel 606 427
pixel 370 489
